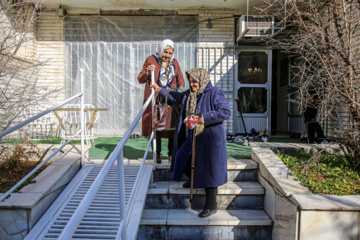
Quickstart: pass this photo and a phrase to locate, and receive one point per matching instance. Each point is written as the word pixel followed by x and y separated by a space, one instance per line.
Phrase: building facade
pixel 111 46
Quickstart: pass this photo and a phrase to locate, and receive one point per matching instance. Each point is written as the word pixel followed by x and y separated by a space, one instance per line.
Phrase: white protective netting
pixel 112 50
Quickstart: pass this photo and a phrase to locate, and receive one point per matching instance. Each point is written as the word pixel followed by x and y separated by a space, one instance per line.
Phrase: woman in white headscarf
pixel 167 75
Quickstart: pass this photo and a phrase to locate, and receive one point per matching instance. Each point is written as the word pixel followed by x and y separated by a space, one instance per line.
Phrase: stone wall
pixel 297 213
pixel 20 211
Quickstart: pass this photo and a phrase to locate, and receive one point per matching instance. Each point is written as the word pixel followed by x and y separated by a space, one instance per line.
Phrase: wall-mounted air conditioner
pixel 254 26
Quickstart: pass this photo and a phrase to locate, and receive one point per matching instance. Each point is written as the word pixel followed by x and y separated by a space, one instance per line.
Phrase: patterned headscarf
pixel 167 74
pixel 201 76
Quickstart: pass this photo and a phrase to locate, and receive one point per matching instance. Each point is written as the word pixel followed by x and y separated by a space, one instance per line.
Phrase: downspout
pixel 298 223
pixel 235 75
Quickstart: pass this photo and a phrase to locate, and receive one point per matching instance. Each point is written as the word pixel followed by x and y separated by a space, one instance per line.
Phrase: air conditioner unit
pixel 255 26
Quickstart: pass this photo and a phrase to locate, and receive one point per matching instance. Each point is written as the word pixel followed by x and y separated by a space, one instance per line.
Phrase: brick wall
pixel 50 48
pixel 216 53
pixel 222 31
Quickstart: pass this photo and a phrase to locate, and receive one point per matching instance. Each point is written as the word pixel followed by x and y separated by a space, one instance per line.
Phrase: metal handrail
pixel 116 155
pixel 11 190
pixel 81 131
pixel 10 130
pixel 137 181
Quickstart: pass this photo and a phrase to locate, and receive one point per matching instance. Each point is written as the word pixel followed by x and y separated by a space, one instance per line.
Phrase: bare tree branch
pixel 20 66
pixel 322 38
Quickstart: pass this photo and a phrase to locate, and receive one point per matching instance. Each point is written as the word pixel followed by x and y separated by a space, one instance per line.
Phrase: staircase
pixel 169 215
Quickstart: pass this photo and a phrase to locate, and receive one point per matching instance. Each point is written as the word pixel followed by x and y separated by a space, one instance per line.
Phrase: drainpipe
pixel 298 217
pixel 235 76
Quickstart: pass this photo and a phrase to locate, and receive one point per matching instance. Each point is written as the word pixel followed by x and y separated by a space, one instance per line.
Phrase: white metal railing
pixel 116 155
pixel 81 131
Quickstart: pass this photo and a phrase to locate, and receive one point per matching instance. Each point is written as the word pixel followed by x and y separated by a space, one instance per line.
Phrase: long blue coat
pixel 210 152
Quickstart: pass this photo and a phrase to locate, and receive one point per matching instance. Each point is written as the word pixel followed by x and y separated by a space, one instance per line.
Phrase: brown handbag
pixel 162 116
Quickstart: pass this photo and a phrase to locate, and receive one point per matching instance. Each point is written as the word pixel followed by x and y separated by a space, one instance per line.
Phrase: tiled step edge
pixel 189 217
pixel 237 188
pixel 242 164
pixel 137 208
pixel 233 164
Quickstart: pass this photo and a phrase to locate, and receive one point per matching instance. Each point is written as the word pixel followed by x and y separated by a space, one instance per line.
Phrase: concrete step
pixel 168 213
pixel 238 170
pixel 185 224
pixel 232 195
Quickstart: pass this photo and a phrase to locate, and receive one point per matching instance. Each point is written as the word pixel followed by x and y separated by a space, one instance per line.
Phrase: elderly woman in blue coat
pixel 208 106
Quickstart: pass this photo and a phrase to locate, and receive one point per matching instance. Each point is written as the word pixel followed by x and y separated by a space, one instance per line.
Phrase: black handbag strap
pixel 166 104
pixel 166 97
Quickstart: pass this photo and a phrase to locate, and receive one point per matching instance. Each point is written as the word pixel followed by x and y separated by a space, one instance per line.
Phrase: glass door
pixel 253 90
pixel 295 118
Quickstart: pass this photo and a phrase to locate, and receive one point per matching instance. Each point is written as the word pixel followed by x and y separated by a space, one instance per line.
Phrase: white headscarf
pixel 165 45
pixel 167 74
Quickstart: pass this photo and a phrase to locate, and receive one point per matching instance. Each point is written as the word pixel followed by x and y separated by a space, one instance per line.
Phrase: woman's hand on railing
pixel 150 68
pixel 156 87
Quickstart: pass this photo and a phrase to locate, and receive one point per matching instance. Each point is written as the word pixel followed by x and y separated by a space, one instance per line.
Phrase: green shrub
pixel 16 162
pixel 323 172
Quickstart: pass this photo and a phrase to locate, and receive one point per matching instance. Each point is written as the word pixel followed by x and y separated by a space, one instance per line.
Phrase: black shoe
pixel 207 212
pixel 186 184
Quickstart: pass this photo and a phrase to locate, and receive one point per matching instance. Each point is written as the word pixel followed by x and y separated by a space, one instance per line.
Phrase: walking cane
pixel 192 164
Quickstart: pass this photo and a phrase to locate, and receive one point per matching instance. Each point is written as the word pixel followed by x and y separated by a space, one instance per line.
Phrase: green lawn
pixel 134 148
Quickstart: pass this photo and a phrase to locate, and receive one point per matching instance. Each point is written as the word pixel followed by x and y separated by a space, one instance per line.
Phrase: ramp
pixel 102 219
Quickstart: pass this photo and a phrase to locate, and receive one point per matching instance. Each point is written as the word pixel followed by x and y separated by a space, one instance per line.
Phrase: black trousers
pixel 314 127
pixel 210 200
pixel 158 146
pixel 170 145
pixel 210 193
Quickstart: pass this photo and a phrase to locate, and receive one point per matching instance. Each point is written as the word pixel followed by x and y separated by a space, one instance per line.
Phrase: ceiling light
pixel 209 24
pixel 60 11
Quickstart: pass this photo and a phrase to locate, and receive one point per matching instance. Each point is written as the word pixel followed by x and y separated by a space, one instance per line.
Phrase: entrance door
pixel 295 118
pixel 253 90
